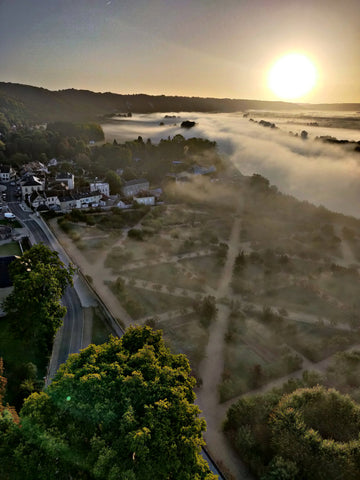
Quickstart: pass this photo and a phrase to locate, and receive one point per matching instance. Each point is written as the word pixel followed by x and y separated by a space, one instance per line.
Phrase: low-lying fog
pixel 310 170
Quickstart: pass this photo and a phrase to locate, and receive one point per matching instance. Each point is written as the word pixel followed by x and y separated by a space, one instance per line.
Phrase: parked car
pixel 9 215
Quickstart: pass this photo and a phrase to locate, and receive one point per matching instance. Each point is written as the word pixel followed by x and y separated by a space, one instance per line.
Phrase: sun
pixel 292 76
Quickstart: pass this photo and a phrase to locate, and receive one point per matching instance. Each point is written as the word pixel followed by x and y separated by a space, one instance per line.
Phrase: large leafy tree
pixel 122 410
pixel 310 433
pixel 33 307
pixel 114 182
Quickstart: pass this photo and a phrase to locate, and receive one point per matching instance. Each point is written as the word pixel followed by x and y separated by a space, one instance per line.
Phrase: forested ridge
pixel 28 103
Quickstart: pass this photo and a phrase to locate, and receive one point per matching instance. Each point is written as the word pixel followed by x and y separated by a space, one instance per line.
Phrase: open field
pixel 287 295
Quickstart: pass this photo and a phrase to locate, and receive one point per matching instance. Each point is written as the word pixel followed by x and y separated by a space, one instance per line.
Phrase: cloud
pixel 310 170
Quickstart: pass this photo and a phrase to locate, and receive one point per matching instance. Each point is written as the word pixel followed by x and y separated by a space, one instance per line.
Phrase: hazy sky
pixel 179 47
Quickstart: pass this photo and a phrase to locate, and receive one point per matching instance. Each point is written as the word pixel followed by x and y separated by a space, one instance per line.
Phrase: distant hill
pixel 33 104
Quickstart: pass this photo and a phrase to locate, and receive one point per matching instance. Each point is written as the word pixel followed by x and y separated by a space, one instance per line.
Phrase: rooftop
pixel 136 181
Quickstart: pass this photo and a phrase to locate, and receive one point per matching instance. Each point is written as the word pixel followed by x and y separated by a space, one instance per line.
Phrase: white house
pixel 36 199
pixel 122 204
pixel 145 200
pixel 48 198
pixel 102 187
pixel 79 200
pixel 68 179
pixel 133 187
pixel 30 184
pixel 7 173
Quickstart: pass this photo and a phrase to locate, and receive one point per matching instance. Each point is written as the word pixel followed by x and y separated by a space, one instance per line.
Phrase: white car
pixel 9 215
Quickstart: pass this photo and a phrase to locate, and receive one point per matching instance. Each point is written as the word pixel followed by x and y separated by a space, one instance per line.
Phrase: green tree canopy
pixel 310 433
pixel 114 182
pixel 122 410
pixel 34 307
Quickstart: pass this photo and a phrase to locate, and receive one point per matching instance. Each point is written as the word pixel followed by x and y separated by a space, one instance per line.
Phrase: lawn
pixel 11 248
pixel 100 329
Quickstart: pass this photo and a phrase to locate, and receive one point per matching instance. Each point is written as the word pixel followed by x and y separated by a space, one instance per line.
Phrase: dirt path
pixel 211 369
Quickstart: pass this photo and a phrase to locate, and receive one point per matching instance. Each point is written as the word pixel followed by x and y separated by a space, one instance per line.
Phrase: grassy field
pixel 140 302
pixel 299 298
pixel 184 334
pixel 8 249
pixel 100 329
pixel 206 268
pixel 166 274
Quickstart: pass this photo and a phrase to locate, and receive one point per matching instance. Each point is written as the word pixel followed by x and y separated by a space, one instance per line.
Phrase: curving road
pixel 69 338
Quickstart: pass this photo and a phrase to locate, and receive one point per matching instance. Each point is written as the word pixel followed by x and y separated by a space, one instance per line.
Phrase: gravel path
pixel 211 369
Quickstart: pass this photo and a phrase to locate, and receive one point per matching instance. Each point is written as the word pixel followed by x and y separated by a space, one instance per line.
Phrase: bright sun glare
pixel 292 76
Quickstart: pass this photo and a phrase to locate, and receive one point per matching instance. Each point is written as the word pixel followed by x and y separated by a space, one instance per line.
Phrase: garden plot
pixel 254 355
pixel 140 302
pixel 317 342
pixel 343 285
pixel 169 274
pixel 205 269
pixel 184 334
pixel 299 298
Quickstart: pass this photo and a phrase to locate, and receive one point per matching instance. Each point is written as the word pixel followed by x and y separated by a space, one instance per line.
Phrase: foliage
pixel 187 124
pixel 34 307
pixel 120 410
pixel 311 433
pixel 206 309
pixel 5 407
pixel 240 262
pixel 114 182
pixel 86 131
pixel 136 234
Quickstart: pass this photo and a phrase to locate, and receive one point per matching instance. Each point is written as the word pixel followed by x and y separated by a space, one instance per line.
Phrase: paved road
pixel 70 336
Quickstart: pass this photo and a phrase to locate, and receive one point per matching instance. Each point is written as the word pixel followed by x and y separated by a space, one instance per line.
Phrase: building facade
pixel 102 187
pixel 133 187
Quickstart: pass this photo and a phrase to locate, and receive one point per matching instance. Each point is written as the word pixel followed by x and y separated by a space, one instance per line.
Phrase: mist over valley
pixel 311 170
